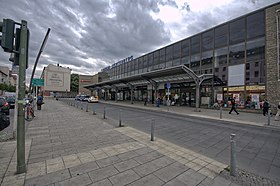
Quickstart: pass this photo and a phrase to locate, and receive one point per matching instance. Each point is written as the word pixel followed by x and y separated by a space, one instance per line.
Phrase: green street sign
pixel 37 82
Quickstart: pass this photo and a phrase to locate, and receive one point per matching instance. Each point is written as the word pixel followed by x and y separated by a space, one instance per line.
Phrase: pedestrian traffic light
pixel 7 39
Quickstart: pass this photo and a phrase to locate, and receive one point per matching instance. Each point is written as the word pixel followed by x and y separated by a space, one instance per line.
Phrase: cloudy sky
pixel 88 35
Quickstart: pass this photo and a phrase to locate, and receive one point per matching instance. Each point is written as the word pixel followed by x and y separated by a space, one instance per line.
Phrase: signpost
pixel 37 82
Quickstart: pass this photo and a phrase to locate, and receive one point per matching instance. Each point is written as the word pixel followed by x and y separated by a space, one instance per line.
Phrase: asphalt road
pixel 258 149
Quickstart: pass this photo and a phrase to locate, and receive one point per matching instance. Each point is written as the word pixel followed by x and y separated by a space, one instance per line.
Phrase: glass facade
pixel 240 41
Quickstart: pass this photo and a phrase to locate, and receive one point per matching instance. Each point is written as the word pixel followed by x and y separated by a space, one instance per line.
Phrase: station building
pixel 239 58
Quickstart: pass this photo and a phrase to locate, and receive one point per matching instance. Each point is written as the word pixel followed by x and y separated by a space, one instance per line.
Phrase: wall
pixel 272 82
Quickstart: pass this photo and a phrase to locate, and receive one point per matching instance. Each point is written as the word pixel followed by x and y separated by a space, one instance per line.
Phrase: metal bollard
pixel 152 129
pixel 81 106
pixel 268 116
pixel 120 118
pixel 87 108
pixel 93 111
pixel 221 112
pixel 104 113
pixel 232 155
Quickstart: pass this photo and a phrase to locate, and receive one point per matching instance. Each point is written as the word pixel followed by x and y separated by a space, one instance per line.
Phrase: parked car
pixel 84 98
pixel 77 97
pixel 93 99
pixel 4 106
pixel 11 101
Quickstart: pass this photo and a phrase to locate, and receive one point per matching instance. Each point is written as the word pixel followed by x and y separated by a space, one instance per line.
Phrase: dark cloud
pixel 88 35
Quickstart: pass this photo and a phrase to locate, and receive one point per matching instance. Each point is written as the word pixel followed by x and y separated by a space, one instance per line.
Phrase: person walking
pixel 233 106
pixel 266 106
pixel 278 112
pixel 39 101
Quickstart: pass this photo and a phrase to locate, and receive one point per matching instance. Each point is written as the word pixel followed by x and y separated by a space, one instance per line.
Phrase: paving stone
pixel 170 171
pixel 175 182
pixel 71 160
pixel 162 161
pixel 147 157
pixel 108 161
pixel 15 180
pixel 48 179
pixel 125 165
pixel 146 169
pixel 124 178
pixel 191 177
pixel 102 173
pixel 105 182
pixel 78 180
pixel 86 157
pixel 148 180
pixel 83 168
pixel 144 150
pixel 127 155
pixel 36 169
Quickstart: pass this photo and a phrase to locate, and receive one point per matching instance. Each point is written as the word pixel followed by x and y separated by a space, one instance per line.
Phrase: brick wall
pixel 272 82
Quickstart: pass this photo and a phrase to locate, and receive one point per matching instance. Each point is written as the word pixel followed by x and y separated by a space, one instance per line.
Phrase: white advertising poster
pixel 255 97
pixel 236 96
pixel 55 79
pixel 219 97
pixel 236 75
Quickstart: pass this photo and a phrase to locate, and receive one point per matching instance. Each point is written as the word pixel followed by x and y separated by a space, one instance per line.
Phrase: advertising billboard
pixel 57 78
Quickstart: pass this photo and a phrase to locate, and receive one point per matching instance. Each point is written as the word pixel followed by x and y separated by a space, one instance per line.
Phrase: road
pixel 258 149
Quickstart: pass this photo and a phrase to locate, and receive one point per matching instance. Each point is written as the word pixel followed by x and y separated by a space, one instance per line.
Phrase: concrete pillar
pixel 131 95
pixel 197 97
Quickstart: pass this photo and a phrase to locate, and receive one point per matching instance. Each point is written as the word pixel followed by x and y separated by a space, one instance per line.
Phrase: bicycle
pixel 29 112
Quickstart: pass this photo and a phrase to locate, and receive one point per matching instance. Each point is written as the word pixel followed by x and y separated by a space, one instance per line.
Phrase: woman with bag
pixel 39 101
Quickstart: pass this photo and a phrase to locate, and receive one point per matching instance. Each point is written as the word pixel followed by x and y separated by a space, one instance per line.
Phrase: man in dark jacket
pixel 233 106
pixel 266 106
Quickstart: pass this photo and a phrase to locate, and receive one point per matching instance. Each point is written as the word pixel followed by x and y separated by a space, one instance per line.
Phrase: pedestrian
pixel 266 106
pixel 233 106
pixel 39 101
pixel 145 101
pixel 278 112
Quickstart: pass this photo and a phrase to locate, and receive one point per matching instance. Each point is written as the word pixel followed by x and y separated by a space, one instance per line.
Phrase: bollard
pixel 221 112
pixel 152 129
pixel 104 113
pixel 268 117
pixel 81 106
pixel 120 118
pixel 232 155
pixel 87 108
pixel 93 111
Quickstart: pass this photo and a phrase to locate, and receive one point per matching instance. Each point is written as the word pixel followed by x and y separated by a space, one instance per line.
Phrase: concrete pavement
pixel 68 146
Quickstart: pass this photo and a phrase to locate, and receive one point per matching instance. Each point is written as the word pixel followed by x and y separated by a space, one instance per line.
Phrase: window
pixel 236 54
pixel 224 69
pixel 207 41
pixel 220 56
pixel 255 25
pixel 256 74
pixel 255 49
pixel 145 63
pixel 185 48
pixel 237 31
pixel 207 59
pixel 195 44
pixel 195 62
pixel 169 56
pixel 156 60
pixel 162 58
pixel 256 64
pixel 140 64
pixel 247 66
pixel 177 51
pixel 150 61
pixel 221 36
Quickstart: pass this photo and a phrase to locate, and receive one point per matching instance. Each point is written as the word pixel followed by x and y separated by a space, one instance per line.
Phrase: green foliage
pixel 74 83
pixel 8 88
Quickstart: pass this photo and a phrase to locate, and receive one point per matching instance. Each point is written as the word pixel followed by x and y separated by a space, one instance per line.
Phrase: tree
pixel 74 83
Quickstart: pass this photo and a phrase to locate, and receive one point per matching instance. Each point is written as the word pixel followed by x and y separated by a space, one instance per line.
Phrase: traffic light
pixel 7 39
pixel 15 56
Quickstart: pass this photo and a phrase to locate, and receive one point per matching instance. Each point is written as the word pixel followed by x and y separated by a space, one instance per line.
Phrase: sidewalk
pixel 247 118
pixel 68 146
